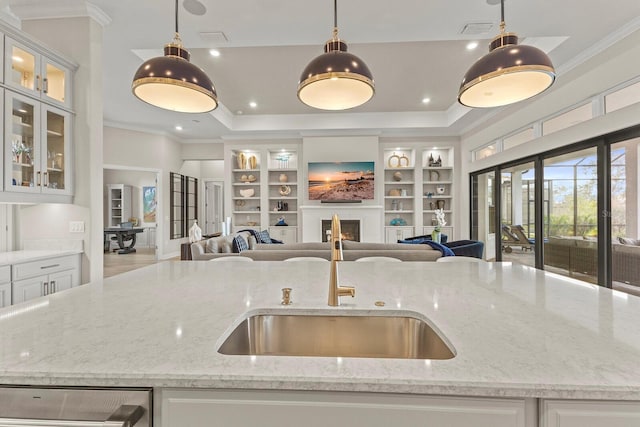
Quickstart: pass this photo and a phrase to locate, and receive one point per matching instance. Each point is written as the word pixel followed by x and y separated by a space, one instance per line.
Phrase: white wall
pixel 81 40
pixel 341 149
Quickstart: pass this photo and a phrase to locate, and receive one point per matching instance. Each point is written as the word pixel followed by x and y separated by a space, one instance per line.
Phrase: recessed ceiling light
pixel 426 100
pixel 214 52
pixel 178 127
pixel 472 45
pixel 239 112
pixel 253 104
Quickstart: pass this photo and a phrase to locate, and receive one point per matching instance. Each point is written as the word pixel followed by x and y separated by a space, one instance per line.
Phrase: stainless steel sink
pixel 374 336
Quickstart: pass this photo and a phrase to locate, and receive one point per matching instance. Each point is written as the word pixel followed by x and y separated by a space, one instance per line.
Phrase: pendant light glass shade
pixel 173 83
pixel 336 80
pixel 509 73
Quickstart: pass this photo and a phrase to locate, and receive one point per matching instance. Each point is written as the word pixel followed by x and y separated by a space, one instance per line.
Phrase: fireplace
pixel 350 229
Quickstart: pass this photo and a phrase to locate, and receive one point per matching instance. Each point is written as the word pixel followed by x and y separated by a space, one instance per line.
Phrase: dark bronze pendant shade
pixel 336 80
pixel 509 73
pixel 173 83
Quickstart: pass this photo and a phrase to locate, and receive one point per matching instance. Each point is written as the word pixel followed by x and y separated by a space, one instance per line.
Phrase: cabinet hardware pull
pixel 49 266
pixel 45 85
pixel 38 83
pixel 53 286
pixel 46 288
pixel 45 179
pixel 124 416
pixel 38 180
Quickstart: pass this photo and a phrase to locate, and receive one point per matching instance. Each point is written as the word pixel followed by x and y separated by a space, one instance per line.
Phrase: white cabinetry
pixel 44 277
pixel 37 146
pixel 393 234
pixel 5 286
pixel 245 191
pixel 283 194
pixel 569 413
pixel 36 74
pixel 37 121
pixel 286 234
pixel 399 194
pixel 264 187
pixel 316 409
pixel 437 188
pixel 118 204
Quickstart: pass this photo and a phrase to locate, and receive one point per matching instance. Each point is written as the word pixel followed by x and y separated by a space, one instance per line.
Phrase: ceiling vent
pixel 213 36
pixel 475 28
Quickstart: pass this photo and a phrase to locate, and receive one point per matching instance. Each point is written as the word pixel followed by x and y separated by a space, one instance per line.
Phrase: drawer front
pixel 45 266
pixel 5 274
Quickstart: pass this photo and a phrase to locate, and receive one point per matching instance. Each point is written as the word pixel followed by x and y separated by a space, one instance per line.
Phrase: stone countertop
pixel 517 331
pixel 19 257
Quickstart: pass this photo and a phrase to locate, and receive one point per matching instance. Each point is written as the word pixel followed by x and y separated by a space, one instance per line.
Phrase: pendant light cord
pixel 176 16
pixel 502 24
pixel 335 19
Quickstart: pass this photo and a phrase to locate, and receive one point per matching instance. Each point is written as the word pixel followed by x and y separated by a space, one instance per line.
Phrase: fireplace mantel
pixel 371 220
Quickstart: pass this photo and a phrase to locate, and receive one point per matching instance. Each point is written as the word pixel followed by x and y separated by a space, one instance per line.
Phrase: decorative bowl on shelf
pixel 285 190
pixel 397 176
pixel 247 178
pixel 397 222
pixel 247 192
pixel 251 223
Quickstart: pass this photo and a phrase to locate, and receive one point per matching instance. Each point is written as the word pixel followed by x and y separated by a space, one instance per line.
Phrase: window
pixel 571 223
pixel 623 97
pixel 518 138
pixel 184 204
pixel 568 119
pixel 484 152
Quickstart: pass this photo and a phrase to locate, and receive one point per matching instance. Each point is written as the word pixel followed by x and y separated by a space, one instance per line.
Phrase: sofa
pixel 580 255
pixel 218 247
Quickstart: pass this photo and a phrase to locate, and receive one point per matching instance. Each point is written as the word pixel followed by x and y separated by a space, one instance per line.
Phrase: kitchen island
pixel 520 336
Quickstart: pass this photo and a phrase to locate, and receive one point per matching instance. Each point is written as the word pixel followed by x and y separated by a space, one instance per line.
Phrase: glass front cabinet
pixel 35 74
pixel 37 146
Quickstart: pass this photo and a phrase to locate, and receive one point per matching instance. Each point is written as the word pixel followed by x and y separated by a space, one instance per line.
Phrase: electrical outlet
pixel 76 226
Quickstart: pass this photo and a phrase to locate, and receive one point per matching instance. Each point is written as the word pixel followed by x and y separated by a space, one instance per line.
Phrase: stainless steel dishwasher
pixel 75 407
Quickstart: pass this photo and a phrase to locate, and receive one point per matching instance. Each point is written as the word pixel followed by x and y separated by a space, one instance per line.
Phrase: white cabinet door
pixel 24 290
pixel 36 75
pixel 393 234
pixel 5 295
pixel 317 409
pixel 567 413
pixel 62 281
pixel 286 234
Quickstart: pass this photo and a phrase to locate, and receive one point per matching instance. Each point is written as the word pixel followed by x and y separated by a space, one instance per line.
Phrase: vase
pixel 436 236
pixel 283 177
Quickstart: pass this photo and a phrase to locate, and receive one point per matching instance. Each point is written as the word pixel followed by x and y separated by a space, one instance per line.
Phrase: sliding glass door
pixel 625 222
pixel 571 223
pixel 483 209
pixel 517 212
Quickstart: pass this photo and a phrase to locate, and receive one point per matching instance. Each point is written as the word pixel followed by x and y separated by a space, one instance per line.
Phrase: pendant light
pixel 336 80
pixel 507 74
pixel 173 83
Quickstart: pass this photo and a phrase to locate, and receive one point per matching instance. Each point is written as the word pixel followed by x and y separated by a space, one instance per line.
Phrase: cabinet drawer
pixel 45 266
pixel 5 274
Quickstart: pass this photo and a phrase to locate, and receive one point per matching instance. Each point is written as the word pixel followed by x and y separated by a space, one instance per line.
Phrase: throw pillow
pixel 263 236
pixel 239 244
pixel 211 246
pixel 629 241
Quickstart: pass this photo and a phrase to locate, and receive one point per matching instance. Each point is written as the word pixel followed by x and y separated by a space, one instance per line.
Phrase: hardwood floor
pixel 115 263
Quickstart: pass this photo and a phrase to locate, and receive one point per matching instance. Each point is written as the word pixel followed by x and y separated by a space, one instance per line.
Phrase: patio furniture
pixel 514 236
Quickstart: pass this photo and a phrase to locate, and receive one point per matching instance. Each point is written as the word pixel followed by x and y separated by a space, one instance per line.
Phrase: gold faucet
pixel 336 291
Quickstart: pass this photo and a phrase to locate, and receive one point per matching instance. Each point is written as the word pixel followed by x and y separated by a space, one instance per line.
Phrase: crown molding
pixel 60 9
